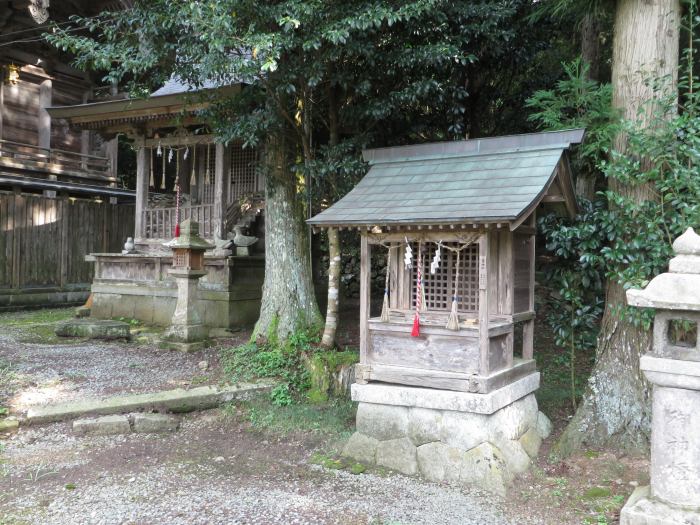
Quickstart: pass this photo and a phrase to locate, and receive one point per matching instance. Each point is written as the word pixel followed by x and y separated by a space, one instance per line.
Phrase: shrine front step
pixel 177 401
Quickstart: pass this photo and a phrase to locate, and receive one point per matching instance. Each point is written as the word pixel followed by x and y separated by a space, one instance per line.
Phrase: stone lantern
pixel 673 367
pixel 186 331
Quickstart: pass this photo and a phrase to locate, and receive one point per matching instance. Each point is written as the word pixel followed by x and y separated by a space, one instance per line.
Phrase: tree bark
pixel 615 410
pixel 328 339
pixel 590 45
pixel 334 256
pixel 288 300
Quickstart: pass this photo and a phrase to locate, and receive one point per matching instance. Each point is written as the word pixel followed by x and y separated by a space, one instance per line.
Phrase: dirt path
pixel 215 469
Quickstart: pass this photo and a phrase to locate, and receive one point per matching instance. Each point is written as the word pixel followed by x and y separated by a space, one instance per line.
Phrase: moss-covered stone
pixel 330 374
pixel 9 424
pixel 94 329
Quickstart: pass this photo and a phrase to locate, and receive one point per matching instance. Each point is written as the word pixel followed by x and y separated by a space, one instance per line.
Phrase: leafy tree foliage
pixel 616 237
pixel 331 77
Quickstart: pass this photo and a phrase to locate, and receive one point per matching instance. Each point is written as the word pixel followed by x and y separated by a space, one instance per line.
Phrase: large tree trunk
pixel 288 300
pixel 615 410
pixel 590 55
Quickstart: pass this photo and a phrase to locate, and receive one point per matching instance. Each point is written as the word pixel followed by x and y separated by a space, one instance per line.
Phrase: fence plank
pixel 43 241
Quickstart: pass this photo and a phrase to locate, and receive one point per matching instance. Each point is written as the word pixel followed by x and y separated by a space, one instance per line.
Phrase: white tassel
pixel 151 179
pixel 162 181
pixel 385 305
pixel 193 179
pixel 453 318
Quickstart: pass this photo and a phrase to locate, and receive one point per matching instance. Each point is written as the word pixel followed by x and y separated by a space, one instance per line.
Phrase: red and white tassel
pixel 419 293
pixel 177 207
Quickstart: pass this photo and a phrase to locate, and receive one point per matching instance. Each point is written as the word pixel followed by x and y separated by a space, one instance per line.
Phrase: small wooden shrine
pixel 457 223
pixel 182 174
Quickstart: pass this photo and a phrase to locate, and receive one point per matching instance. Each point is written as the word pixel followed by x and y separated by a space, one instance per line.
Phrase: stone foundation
pixel 443 440
pixel 641 509
pixel 138 286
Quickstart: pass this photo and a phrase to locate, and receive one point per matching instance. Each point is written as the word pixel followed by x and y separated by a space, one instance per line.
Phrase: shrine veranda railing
pixel 38 157
pixel 159 223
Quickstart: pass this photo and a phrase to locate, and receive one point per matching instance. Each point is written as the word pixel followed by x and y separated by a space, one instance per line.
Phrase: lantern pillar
pixel 186 331
pixel 673 368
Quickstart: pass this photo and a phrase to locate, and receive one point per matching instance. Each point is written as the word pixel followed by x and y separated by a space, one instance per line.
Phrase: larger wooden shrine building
pixel 181 173
pixel 456 221
pixel 59 193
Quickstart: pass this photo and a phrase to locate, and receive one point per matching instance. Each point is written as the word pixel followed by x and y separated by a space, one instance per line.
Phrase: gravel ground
pixel 214 470
pixel 55 373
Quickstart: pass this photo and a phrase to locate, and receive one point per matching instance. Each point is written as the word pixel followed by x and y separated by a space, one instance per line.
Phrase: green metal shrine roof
pixel 500 179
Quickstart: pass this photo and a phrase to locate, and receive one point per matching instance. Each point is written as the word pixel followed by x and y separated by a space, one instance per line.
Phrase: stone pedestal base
pixel 640 509
pixel 186 333
pixel 481 439
pixel 187 338
pixel 183 347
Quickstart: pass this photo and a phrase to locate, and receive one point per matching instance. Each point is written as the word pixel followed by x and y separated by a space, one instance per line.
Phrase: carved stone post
pixel 673 367
pixel 186 331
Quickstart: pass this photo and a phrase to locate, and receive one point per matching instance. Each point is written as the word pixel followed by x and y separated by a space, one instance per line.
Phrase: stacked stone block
pixel 450 445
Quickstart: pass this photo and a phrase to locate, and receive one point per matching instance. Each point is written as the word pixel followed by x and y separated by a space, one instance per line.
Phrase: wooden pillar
pixel 112 146
pixel 222 183
pixel 484 304
pixel 529 326
pixel 2 104
pixel 64 207
pixel 143 162
pixel 112 151
pixel 365 273
pixel 44 119
pixel 85 137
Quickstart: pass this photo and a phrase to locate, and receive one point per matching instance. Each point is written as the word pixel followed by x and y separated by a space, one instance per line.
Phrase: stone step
pixel 142 423
pixel 93 329
pixel 178 400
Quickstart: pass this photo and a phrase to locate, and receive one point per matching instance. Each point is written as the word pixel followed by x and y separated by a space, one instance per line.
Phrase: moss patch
pixel 36 326
pixel 597 492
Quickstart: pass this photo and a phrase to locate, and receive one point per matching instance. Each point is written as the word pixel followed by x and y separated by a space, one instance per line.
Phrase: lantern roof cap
pixel 189 238
pixel 679 288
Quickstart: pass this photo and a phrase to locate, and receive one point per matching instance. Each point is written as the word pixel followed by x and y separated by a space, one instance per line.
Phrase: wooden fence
pixel 44 241
pixel 159 223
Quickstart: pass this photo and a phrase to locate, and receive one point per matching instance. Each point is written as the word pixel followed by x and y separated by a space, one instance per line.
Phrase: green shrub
pixel 283 361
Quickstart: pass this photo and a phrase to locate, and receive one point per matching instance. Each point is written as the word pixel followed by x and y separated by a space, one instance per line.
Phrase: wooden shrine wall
pixel 44 241
pixel 22 109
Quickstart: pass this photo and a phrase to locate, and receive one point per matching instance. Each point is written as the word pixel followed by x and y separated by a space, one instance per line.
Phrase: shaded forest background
pixel 327 79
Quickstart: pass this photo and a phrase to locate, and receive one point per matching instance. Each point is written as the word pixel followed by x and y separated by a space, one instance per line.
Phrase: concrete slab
pixel 102 426
pixel 151 423
pixel 94 329
pixel 177 400
pixel 408 396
